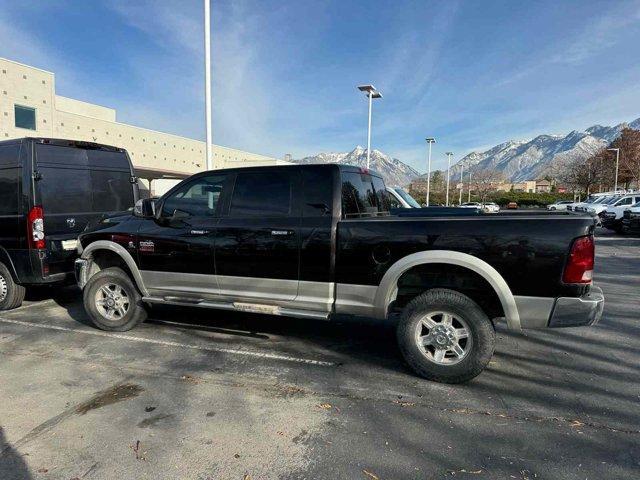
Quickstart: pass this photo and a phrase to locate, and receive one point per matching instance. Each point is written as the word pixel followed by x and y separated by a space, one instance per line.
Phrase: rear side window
pixel 73 181
pixel 9 179
pixel 261 194
pixel 363 195
pixel 318 191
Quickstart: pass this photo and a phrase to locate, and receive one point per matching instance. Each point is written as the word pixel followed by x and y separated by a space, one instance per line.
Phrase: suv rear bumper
pixel 541 312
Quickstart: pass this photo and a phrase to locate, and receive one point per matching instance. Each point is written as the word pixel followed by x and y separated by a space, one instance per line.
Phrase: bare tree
pixel 485 181
pixel 629 144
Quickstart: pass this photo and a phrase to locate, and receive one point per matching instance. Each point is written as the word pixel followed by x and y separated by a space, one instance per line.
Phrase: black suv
pixel 49 191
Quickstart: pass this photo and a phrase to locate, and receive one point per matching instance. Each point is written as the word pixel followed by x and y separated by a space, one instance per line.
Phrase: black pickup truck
pixel 317 241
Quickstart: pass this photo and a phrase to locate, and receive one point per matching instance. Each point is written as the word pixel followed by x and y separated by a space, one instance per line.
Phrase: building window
pixel 24 77
pixel 25 117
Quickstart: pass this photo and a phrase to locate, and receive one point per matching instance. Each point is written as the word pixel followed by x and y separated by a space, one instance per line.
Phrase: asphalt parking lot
pixel 200 394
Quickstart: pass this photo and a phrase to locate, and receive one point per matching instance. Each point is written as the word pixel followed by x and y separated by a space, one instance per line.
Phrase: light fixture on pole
pixel 430 141
pixel 617 150
pixel 449 155
pixel 207 81
pixel 461 182
pixel 372 93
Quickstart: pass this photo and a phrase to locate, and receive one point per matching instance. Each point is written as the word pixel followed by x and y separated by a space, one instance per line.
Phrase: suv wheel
pixel 445 336
pixel 112 301
pixel 11 294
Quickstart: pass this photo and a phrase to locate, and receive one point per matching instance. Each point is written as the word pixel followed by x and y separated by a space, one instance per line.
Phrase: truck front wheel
pixel 445 336
pixel 112 301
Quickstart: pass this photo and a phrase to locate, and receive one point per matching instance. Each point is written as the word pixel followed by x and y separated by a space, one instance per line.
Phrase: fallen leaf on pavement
pixel 373 476
pixel 325 406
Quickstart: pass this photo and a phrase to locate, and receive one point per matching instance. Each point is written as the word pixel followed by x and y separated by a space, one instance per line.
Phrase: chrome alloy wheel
pixel 112 301
pixel 4 289
pixel 443 338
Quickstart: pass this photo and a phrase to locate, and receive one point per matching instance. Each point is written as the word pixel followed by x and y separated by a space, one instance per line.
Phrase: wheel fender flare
pixel 87 254
pixel 387 289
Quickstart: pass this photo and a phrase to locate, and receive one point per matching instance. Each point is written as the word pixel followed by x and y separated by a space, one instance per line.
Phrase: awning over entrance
pixel 156 173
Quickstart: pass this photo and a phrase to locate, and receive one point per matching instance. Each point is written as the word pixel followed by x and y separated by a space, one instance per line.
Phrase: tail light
pixel 36 228
pixel 579 267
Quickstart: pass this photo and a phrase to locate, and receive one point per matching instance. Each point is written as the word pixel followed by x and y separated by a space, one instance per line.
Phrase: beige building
pixel 29 107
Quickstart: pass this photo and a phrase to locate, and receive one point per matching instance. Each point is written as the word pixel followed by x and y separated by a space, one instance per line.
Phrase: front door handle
pixel 281 233
pixel 199 232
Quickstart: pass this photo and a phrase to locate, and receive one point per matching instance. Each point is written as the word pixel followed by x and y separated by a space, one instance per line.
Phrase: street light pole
pixel 449 155
pixel 617 150
pixel 469 185
pixel 430 141
pixel 207 81
pixel 461 182
pixel 372 93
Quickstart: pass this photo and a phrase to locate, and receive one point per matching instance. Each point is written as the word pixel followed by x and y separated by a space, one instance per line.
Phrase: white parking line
pixel 231 351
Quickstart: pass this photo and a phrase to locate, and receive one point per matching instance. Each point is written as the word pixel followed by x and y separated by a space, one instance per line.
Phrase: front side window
pixel 624 201
pixel 199 197
pixel 25 117
pixel 261 194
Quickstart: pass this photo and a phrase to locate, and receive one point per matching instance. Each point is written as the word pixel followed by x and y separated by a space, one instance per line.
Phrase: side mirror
pixel 145 208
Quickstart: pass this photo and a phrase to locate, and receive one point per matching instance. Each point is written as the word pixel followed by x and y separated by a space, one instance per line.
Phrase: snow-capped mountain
pixel 394 172
pixel 545 154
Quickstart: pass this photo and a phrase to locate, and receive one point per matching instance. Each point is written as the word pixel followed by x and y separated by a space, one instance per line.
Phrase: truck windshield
pixel 363 195
pixel 407 198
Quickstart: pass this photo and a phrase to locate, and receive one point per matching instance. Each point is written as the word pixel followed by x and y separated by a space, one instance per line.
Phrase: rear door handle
pixel 281 233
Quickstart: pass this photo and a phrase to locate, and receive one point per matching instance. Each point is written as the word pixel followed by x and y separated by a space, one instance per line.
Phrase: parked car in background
pixel 512 206
pixel 631 220
pixel 613 213
pixel 559 205
pixel 491 207
pixel 316 241
pixel 49 191
pixel 471 205
pixel 400 198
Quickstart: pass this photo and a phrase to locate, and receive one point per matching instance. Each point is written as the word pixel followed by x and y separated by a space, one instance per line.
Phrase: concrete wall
pixel 62 117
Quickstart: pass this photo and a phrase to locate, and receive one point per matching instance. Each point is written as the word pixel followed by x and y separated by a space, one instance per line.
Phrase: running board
pixel 240 307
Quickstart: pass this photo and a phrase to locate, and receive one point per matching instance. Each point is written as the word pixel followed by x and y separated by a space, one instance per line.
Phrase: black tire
pixel 11 294
pixel 482 336
pixel 135 312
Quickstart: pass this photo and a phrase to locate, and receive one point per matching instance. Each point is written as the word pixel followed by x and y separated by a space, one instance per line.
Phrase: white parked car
pixel 490 207
pixel 559 205
pixel 591 200
pixel 471 205
pixel 596 208
pixel 611 217
pixel 401 199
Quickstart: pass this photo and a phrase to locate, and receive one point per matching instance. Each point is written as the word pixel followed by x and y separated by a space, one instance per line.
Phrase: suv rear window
pixel 76 180
pixel 364 195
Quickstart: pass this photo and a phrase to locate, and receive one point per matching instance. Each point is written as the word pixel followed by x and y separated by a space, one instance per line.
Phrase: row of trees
pixel 597 173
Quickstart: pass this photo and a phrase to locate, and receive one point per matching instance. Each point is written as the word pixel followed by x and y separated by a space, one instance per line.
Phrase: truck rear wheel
pixel 112 301
pixel 11 294
pixel 445 336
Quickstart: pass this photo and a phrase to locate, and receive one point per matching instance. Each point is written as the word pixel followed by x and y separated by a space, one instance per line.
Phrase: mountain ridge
pixel 543 154
pixel 394 171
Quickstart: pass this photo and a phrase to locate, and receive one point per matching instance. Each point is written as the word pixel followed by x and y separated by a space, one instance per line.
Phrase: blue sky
pixel 471 73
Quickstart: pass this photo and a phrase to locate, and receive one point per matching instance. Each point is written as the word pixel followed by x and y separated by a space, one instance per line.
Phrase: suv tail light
pixel 579 267
pixel 36 228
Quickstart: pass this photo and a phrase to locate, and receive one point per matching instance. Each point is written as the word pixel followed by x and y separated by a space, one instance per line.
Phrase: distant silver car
pixel 471 205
